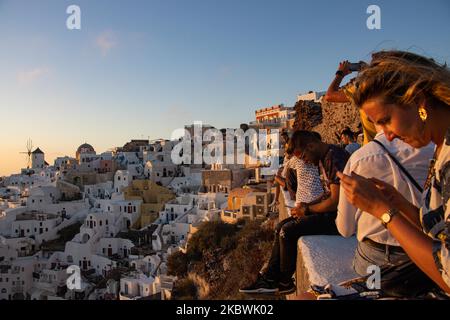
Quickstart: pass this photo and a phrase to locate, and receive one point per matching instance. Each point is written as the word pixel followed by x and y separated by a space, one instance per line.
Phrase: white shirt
pixel 372 161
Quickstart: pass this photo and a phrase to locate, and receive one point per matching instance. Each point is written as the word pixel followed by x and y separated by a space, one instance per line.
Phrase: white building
pixel 311 96
pixel 176 208
pixel 137 285
pixel 41 196
pixel 122 179
pixel 35 225
pixel 16 278
pixel 102 190
pixel 158 162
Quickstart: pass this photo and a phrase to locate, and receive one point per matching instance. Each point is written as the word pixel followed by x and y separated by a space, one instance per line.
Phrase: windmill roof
pixel 37 151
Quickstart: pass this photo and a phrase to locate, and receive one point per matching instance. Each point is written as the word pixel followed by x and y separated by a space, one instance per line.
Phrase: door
pixel 109 252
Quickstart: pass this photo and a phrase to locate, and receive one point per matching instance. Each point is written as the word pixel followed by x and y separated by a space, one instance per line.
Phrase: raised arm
pixel 334 93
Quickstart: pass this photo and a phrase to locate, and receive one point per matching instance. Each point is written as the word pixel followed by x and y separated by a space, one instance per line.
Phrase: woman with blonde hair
pixel 408 95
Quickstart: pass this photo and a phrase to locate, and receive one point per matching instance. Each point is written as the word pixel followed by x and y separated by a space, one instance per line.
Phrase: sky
pixel 141 69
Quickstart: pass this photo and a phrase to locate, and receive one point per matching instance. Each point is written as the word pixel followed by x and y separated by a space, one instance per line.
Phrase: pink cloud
pixel 105 42
pixel 29 76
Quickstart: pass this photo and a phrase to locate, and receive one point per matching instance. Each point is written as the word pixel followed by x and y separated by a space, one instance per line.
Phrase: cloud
pixel 105 42
pixel 29 76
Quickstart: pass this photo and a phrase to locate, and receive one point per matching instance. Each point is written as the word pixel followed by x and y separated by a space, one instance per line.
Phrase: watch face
pixel 386 217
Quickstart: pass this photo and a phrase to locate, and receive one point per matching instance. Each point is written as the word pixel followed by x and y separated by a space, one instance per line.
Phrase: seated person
pixel 376 246
pixel 348 139
pixel 286 177
pixel 314 213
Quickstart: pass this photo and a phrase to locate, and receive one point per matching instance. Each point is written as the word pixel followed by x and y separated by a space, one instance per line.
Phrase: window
pixel 259 199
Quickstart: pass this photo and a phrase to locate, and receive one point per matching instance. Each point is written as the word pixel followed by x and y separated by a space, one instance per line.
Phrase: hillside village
pixel 119 215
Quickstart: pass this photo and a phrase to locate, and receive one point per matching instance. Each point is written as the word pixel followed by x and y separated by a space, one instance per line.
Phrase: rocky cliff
pixel 326 118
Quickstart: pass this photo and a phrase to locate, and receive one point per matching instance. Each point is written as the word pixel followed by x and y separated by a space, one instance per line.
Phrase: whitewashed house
pixel 137 285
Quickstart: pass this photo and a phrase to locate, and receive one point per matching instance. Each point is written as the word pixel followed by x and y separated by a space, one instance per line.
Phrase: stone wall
pixel 337 116
pixel 326 118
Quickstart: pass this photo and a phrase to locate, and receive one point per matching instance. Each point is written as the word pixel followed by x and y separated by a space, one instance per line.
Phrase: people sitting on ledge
pixel 314 214
pixel 408 96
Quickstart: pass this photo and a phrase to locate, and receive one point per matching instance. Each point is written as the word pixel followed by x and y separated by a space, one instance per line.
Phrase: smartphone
pixel 355 66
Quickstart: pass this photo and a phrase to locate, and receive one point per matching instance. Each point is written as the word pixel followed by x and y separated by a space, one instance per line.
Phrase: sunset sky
pixel 140 69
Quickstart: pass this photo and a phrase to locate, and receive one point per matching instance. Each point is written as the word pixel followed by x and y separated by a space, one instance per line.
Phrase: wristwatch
pixel 340 73
pixel 305 206
pixel 387 216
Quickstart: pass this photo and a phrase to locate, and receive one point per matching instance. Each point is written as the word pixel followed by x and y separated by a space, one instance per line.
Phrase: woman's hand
pixel 365 194
pixel 395 198
pixel 344 66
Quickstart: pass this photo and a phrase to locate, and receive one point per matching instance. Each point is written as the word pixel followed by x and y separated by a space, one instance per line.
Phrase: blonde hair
pixel 401 78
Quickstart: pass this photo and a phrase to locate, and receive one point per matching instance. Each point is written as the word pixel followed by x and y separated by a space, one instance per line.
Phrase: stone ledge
pixel 324 259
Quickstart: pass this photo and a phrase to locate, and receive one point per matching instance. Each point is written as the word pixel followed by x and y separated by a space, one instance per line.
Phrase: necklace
pixel 432 169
